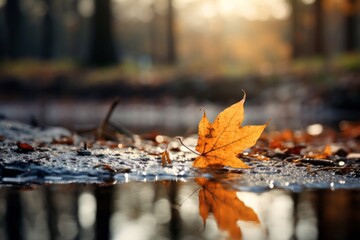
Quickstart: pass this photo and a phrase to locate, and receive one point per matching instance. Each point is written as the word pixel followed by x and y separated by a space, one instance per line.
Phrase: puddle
pixel 54 192
pixel 175 210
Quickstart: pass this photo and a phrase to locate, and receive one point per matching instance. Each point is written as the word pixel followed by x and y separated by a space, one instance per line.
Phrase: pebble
pixel 84 152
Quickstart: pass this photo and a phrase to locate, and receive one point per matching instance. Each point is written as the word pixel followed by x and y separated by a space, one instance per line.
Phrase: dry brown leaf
pixel 25 147
pixel 221 141
pixel 165 158
pixel 326 153
pixel 227 208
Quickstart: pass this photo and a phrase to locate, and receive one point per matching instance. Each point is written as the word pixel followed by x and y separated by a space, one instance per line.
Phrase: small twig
pixel 105 122
pixel 103 130
pixel 323 162
pixel 123 130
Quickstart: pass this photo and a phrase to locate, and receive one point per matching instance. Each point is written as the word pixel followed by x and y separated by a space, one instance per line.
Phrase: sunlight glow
pixel 162 211
pixel 250 10
pixel 314 129
pixel 281 10
pixel 86 8
pixel 87 209
pixel 2 3
pixel 135 9
pixel 159 138
pixel 281 221
pixel 208 10
pixel 306 225
pixel 125 227
pixel 308 1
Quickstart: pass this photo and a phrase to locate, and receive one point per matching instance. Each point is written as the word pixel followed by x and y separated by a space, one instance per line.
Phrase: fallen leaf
pixel 165 158
pixel 350 129
pixel 221 141
pixel 24 147
pixel 226 207
pixel 288 139
pixel 326 152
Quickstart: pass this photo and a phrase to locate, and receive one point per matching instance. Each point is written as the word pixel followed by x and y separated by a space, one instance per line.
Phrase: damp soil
pixel 56 155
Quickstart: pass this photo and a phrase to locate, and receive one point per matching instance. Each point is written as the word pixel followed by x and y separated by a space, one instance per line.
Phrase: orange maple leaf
pixel 221 141
pixel 227 208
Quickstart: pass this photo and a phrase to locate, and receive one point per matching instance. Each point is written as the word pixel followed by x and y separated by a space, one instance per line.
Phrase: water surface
pixel 200 209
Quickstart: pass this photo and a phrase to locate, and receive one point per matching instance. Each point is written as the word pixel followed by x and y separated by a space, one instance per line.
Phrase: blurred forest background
pixel 303 51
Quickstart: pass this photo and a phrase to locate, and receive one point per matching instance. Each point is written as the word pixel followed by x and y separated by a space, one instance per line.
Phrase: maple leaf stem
pixel 181 142
pixel 188 197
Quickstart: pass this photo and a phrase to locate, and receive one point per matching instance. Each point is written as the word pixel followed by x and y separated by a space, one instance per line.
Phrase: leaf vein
pixel 224 129
pixel 227 144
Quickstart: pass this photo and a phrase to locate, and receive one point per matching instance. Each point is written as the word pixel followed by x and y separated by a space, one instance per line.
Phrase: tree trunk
pixel 48 35
pixel 350 28
pixel 295 35
pixel 13 216
pixel 175 221
pixel 102 51
pixel 152 35
pixel 104 201
pixel 319 29
pixel 13 24
pixel 52 214
pixel 171 51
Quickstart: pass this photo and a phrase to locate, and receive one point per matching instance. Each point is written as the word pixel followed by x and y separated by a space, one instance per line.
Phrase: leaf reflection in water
pixel 226 207
pixel 148 210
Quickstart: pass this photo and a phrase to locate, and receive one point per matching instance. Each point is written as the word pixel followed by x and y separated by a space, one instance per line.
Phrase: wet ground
pixel 58 189
pixel 59 156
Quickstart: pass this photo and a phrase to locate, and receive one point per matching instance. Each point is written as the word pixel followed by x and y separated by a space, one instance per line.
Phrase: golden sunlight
pixel 248 9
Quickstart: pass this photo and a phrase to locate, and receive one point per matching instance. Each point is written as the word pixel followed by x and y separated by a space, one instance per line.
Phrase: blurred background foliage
pixel 184 49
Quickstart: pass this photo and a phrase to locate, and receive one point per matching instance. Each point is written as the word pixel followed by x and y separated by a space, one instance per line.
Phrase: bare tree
pixel 295 34
pixel 102 51
pixel 350 26
pixel 104 202
pixel 14 214
pixel 48 35
pixel 13 24
pixel 170 34
pixel 319 28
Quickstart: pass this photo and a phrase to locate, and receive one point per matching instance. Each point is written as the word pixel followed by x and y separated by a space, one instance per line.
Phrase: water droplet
pixel 271 184
pixel 315 129
pixel 342 181
pixel 126 175
pixel 341 163
pixel 159 138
